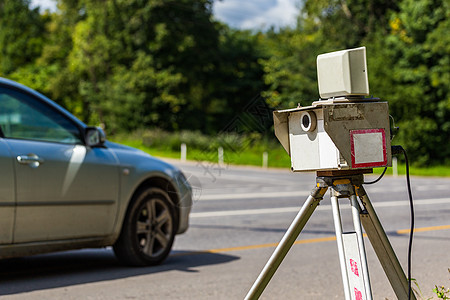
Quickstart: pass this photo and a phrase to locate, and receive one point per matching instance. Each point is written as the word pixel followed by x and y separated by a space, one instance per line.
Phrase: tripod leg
pixel 383 248
pixel 340 243
pixel 362 250
pixel 286 243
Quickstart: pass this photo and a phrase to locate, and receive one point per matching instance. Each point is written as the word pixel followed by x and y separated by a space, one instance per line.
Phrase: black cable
pixel 411 205
pixel 398 150
pixel 378 179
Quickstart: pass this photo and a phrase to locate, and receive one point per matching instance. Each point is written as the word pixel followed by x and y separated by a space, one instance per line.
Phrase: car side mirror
pixel 94 137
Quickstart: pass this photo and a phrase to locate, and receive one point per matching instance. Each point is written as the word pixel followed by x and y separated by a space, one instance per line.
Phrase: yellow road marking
pixel 432 228
pixel 307 241
pixel 250 247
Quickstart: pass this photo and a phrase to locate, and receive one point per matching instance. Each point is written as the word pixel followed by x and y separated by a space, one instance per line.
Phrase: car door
pixel 7 197
pixel 64 190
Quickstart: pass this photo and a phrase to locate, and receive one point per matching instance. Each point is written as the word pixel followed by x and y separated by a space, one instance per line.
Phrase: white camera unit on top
pixel 343 132
pixel 343 73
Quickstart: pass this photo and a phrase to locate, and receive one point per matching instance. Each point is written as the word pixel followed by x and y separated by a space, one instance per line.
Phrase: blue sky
pixel 243 14
pixel 256 14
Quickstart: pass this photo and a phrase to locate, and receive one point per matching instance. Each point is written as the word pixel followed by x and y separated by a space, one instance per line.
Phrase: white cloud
pixel 44 4
pixel 257 14
pixel 242 14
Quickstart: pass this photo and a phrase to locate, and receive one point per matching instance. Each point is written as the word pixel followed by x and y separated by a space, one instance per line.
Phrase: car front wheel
pixel 148 229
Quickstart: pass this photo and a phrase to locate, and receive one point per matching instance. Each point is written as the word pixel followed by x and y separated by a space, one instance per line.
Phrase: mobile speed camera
pixel 344 130
pixel 342 136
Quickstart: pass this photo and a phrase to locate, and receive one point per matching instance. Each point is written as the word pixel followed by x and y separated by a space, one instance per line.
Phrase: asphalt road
pixel 239 214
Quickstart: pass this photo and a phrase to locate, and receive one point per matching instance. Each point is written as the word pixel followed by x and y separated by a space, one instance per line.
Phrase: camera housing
pixel 345 131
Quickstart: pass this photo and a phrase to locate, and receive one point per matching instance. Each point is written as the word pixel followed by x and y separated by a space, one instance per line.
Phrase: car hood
pixel 132 156
pixel 116 146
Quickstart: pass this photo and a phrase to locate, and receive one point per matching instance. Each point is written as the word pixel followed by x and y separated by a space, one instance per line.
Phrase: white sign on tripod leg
pixel 354 267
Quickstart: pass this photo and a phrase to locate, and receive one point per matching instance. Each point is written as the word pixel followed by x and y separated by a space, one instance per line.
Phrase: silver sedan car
pixel 64 186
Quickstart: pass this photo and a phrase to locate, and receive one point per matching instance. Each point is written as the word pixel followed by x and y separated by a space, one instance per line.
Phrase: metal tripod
pixel 352 257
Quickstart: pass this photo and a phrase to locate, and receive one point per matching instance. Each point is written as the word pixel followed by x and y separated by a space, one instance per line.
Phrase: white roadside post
pixel 183 152
pixel 394 166
pixel 220 153
pixel 265 160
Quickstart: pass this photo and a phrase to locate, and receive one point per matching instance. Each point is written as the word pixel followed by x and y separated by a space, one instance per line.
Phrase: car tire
pixel 148 229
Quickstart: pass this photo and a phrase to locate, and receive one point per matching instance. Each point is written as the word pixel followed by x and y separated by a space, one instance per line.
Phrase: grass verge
pixel 252 155
pixel 277 158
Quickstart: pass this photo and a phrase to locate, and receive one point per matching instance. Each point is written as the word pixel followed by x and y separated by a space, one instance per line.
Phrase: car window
pixel 24 117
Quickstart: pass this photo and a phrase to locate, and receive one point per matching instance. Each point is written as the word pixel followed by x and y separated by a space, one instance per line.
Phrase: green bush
pixel 160 139
pixel 238 149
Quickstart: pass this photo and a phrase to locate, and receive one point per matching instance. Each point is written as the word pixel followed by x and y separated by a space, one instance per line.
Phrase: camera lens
pixel 306 121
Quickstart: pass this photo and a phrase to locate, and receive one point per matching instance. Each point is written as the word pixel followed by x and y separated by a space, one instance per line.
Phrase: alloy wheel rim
pixel 154 227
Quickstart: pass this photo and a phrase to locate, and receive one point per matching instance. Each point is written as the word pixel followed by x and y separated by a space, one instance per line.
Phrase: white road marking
pixel 233 196
pixel 212 176
pixel 433 187
pixel 253 195
pixel 320 207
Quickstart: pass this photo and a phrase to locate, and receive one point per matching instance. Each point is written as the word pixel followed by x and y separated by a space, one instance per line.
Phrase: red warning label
pixel 354 267
pixel 358 295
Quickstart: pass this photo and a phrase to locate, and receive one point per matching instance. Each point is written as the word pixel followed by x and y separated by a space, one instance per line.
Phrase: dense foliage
pixel 133 64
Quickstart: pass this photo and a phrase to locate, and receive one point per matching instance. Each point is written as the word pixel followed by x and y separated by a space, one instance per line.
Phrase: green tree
pixel 289 70
pixel 408 60
pixel 22 35
pixel 322 26
pixel 157 46
pixel 411 69
pixel 347 23
pixel 237 78
pixel 130 64
pixel 48 73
